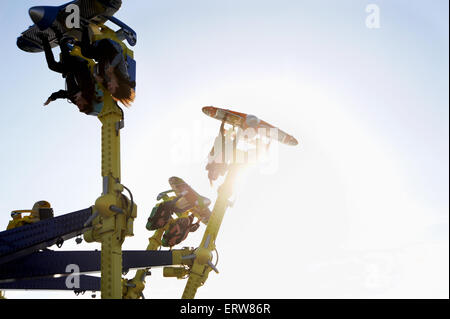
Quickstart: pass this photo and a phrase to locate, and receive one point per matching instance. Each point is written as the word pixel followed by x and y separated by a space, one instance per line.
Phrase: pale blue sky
pixel 366 192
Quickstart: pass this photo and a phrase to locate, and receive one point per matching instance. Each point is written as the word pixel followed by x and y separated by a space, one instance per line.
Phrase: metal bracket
pixel 119 125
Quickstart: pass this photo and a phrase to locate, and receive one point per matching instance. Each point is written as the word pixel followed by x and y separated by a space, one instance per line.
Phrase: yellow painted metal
pixel 133 289
pixel 154 242
pixel 113 211
pixel 110 116
pixel 19 220
pixel 176 272
pixel 201 268
pixel 178 256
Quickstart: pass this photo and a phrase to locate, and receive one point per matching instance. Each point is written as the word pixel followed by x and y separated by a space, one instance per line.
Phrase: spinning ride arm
pixel 203 255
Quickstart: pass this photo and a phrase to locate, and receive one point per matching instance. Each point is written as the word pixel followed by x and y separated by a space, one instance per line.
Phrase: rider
pixel 112 69
pixel 179 230
pixel 80 85
pixel 217 162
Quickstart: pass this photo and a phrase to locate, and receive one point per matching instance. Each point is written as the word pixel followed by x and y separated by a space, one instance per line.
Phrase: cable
pixel 217 253
pixel 123 114
pixel 131 197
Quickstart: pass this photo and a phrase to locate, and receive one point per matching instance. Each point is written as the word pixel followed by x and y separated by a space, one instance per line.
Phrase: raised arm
pixel 52 64
pixel 87 49
pixel 61 94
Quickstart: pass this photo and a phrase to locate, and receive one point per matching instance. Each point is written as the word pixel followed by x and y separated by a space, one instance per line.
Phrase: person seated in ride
pixel 179 230
pixel 111 70
pixel 162 213
pixel 217 162
pixel 80 85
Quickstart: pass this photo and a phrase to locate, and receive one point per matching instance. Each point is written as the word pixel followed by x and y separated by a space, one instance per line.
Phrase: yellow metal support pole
pixel 111 266
pixel 201 267
pixel 110 116
pixel 112 214
pixel 112 239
